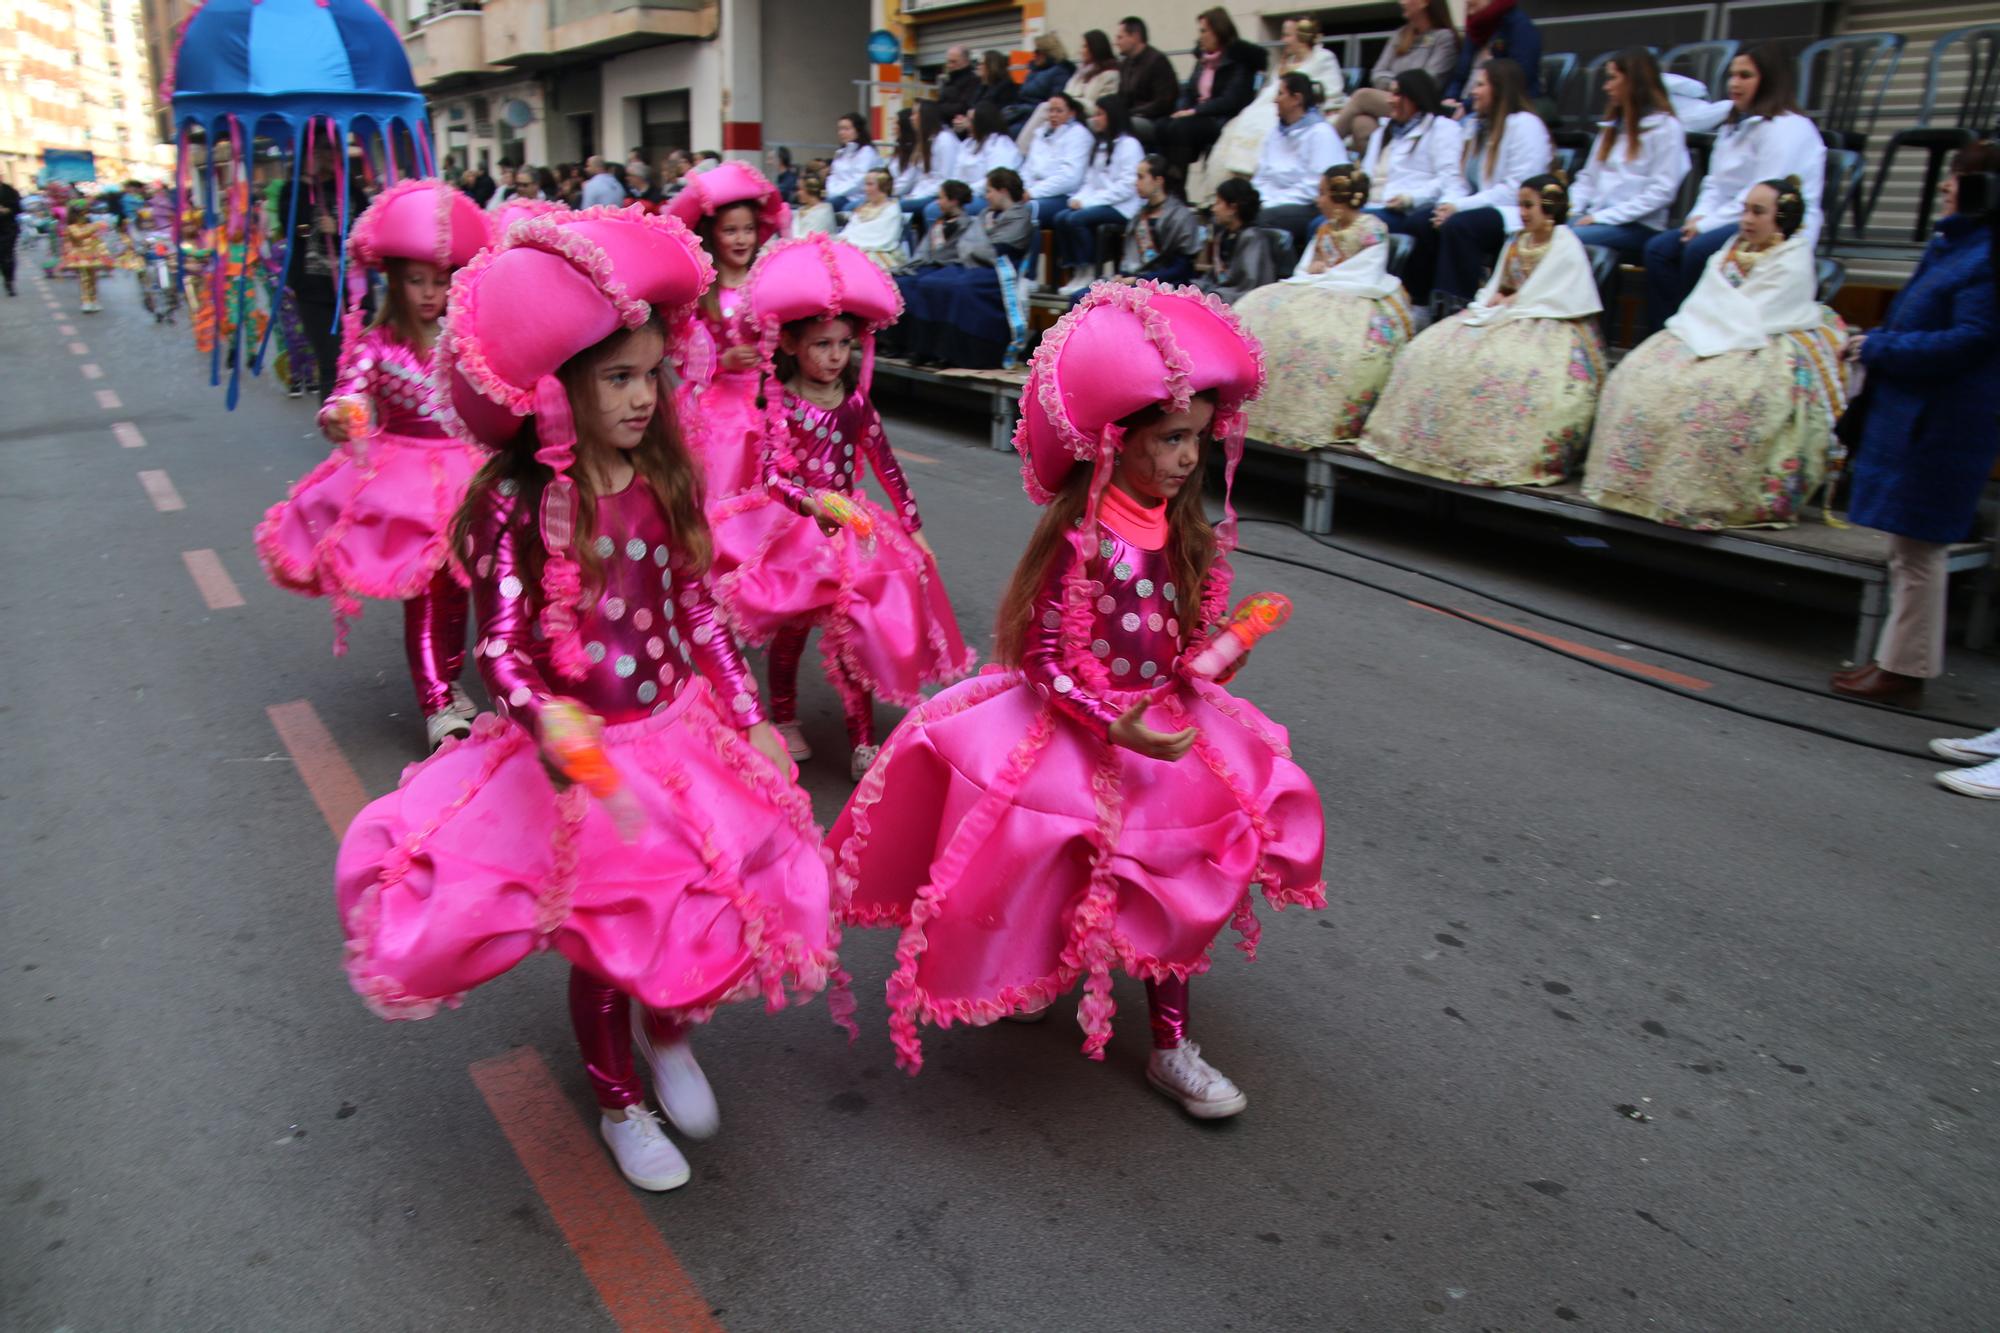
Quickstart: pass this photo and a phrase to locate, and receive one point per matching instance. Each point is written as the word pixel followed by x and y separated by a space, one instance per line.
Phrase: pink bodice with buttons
pixel 827 446
pixel 396 378
pixel 649 628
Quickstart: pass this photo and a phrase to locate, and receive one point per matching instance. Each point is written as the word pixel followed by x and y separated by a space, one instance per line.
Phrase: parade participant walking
pixel 804 550
pixel 1097 801
pixel 735 211
pixel 628 807
pixel 85 254
pixel 370 520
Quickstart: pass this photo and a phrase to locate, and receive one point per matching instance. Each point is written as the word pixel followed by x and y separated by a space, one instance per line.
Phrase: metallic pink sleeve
pixel 784 486
pixel 1044 661
pixel 876 441
pixel 715 653
pixel 357 378
pixel 505 643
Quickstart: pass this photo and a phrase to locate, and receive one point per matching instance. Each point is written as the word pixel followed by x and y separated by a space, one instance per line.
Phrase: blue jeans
pixel 1627 238
pixel 1673 268
pixel 1046 207
pixel 843 203
pixel 972 210
pixel 1416 225
pixel 1076 233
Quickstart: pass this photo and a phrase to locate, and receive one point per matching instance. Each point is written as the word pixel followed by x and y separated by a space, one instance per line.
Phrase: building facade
pixel 75 76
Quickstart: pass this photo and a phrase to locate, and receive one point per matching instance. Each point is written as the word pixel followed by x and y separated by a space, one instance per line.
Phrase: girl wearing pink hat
pixel 683 870
pixel 785 560
pixel 735 211
pixel 370 520
pixel 1095 802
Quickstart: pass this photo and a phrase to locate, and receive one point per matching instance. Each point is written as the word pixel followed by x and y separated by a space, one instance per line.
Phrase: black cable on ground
pixel 1524 637
pixel 1538 613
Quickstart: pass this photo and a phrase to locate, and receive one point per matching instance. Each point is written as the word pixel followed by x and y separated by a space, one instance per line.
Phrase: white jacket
pixel 1762 149
pixel 1421 165
pixel 1056 161
pixel 1293 158
pixel 944 167
pixel 1638 189
pixel 975 159
pixel 850 163
pixel 1525 150
pixel 1113 183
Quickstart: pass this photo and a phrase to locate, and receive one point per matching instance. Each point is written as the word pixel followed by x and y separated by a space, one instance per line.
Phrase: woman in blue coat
pixel 1933 426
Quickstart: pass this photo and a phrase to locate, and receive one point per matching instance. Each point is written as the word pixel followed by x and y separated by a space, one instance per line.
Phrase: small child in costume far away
pixel 785 562
pixel 688 873
pixel 1094 802
pixel 86 254
pixel 371 520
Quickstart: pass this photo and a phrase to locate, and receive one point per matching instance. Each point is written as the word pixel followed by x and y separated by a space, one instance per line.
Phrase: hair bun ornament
pixel 706 193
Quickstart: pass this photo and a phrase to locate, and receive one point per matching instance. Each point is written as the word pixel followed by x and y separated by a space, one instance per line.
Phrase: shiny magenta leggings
pixel 1168 1001
pixel 786 649
pixel 434 640
pixel 602 1017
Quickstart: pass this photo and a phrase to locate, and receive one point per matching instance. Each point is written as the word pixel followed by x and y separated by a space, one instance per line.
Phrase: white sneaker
pixel 862 760
pixel 444 724
pixel 1197 1085
pixel 461 703
pixel 794 737
pixel 1075 285
pixel 1971 749
pixel 644 1153
pixel 1983 782
pixel 678 1084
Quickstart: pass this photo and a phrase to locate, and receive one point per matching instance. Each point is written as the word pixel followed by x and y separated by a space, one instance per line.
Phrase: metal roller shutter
pixel 978 33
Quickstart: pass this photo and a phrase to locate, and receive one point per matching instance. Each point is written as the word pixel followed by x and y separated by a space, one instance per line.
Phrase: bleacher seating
pixel 1977 112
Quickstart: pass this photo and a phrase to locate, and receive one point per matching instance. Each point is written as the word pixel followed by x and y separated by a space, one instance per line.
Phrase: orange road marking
pixel 636 1275
pixel 217 588
pixel 1585 651
pixel 128 435
pixel 161 491
pixel 916 457
pixel 323 768
pixel 108 400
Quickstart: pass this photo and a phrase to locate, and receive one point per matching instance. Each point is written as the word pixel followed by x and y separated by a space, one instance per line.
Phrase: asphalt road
pixel 1625 1012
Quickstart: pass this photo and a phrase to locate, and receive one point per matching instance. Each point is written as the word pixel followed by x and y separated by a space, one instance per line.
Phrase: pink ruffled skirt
pixel 476 861
pixel 725 432
pixel 377 526
pixel 880 605
pixel 1019 854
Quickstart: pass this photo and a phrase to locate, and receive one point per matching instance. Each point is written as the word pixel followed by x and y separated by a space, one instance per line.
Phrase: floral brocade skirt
pixel 1328 353
pixel 1731 441
pixel 1508 405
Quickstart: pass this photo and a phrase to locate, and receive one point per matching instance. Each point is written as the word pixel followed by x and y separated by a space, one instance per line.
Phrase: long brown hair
pixel 1510 94
pixel 1645 94
pixel 1436 13
pixel 662 460
pixel 394 313
pixel 704 230
pixel 1777 86
pixel 1190 547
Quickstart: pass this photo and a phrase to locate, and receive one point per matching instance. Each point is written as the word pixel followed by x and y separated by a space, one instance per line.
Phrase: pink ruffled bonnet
pixel 515 210
pixel 558 285
pixel 703 193
pixel 816 277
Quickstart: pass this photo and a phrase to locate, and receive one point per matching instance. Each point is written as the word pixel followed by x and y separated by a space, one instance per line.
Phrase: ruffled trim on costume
pixel 364 243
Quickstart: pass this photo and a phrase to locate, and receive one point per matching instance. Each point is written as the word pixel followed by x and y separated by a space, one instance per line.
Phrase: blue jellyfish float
pixel 308 78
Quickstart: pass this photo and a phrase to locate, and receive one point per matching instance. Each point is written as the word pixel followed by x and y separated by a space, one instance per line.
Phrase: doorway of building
pixel 663 125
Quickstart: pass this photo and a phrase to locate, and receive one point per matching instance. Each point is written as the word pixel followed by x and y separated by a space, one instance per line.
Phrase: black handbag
pixel 1853 423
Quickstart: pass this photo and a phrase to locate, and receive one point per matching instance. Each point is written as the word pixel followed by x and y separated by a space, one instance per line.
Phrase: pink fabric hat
pixel 517 210
pixel 418 219
pixel 704 192
pixel 560 284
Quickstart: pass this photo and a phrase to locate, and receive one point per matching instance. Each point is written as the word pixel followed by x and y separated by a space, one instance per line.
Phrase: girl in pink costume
pixel 784 563
pixel 1094 803
pixel 736 212
pixel 370 521
pixel 694 876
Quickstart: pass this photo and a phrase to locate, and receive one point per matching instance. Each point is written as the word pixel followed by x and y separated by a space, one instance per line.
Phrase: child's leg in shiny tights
pixel 786 649
pixel 1168 1001
pixel 856 703
pixel 434 640
pixel 602 1017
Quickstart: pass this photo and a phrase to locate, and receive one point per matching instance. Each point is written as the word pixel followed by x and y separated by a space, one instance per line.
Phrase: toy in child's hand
pixel 573 737
pixel 1254 617
pixel 835 507
pixel 355 414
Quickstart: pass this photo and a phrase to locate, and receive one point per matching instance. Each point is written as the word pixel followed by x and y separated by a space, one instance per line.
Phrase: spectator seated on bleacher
pixel 1427 41
pixel 811 212
pixel 1239 258
pixel 1332 330
pixel 1621 197
pixel 986 148
pixel 1766 137
pixel 1413 161
pixel 1165 235
pixel 1722 419
pixel 1295 157
pixel 1503 393
pixel 876 227
pixel 1109 195
pixel 935 162
pixel 1048 70
pixel 971 313
pixel 1497 30
pixel 855 158
pixel 1096 77
pixel 1146 78
pixel 1506 145
pixel 1058 155
pixel 1241 146
pixel 1222 83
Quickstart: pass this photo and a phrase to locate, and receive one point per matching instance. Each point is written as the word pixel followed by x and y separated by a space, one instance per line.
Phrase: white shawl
pixel 1561 287
pixel 884 231
pixel 1364 273
pixel 1777 297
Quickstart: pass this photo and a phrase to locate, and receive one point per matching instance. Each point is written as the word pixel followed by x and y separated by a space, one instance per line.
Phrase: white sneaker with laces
pixel 1982 782
pixel 863 759
pixel 461 703
pixel 443 724
pixel 644 1153
pixel 1200 1088
pixel 678 1084
pixel 1075 285
pixel 1970 749
pixel 794 737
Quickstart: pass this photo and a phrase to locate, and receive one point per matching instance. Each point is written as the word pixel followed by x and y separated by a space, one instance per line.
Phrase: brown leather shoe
pixel 1879 686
